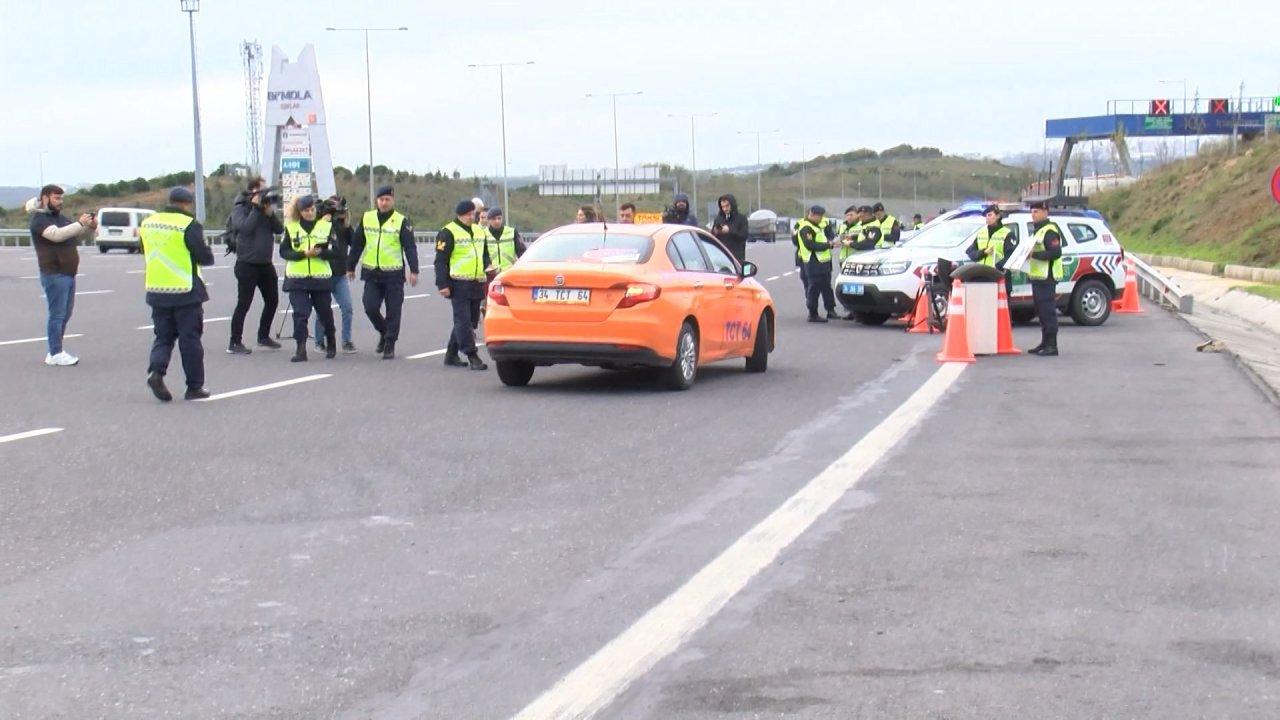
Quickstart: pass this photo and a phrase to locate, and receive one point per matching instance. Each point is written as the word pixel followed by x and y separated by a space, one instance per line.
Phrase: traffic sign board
pixel 1275 185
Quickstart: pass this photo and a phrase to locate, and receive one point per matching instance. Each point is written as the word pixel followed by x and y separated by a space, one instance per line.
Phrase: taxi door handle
pixel 697 284
pixel 729 283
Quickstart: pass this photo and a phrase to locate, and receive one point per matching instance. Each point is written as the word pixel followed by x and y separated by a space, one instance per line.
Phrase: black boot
pixel 451 359
pixel 388 349
pixel 382 344
pixel 1050 348
pixel 155 381
pixel 330 347
pixel 815 318
pixel 475 363
pixel 301 354
pixel 1037 349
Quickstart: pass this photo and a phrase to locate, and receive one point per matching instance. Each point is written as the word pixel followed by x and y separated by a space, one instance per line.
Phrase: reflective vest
pixel 819 236
pixel 1041 269
pixel 302 241
pixel 917 226
pixel 382 249
pixel 169 262
pixel 854 232
pixel 502 249
pixel 994 242
pixel 886 227
pixel 467 260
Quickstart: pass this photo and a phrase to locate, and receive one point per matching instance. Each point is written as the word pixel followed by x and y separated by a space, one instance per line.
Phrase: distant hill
pixel 1216 207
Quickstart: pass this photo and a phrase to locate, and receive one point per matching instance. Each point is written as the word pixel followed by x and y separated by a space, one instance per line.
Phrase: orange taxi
pixel 614 296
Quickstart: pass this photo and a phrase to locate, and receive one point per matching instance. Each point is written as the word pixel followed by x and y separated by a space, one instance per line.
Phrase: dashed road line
pixel 206 320
pixel 415 297
pixel 433 353
pixel 262 388
pixel 93 292
pixel 775 277
pixel 594 684
pixel 38 339
pixel 29 434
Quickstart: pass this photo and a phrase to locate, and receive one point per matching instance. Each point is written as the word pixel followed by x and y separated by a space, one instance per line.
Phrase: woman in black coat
pixel 730 227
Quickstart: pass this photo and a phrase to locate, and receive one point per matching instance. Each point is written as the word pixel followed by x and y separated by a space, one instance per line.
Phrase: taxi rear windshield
pixel 604 248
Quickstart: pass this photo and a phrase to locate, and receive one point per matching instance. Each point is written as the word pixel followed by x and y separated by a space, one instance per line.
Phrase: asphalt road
pixel 1081 537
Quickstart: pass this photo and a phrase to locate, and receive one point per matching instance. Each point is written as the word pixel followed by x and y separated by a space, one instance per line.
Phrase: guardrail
pixel 1154 285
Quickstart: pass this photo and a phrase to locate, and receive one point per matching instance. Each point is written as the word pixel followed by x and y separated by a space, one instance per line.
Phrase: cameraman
pixel 335 210
pixel 679 213
pixel 256 224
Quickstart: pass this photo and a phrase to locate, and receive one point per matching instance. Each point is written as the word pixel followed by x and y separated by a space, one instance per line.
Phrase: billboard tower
pixel 296 149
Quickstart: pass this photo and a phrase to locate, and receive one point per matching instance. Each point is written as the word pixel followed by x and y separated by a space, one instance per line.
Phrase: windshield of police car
pixel 946 235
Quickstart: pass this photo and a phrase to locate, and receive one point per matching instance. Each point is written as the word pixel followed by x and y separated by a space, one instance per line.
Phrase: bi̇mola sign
pixel 296 133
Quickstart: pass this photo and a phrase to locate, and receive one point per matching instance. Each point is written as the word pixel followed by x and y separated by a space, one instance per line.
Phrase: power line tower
pixel 251 55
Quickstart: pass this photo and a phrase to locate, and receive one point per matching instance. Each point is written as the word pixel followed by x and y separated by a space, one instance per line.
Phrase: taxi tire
pixel 515 373
pixel 677 376
pixel 1099 294
pixel 758 361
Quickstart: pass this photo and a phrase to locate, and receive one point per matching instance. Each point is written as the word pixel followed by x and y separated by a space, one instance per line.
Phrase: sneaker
pixel 238 348
pixel 269 343
pixel 62 359
pixel 348 347
pixel 197 394
pixel 155 381
pixel 319 345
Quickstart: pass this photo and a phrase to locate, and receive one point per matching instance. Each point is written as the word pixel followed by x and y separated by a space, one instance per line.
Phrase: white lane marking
pixel 415 297
pixel 788 274
pixel 268 386
pixel 93 292
pixel 775 277
pixel 29 277
pixel 207 320
pixel 434 353
pixel 29 434
pixel 39 339
pixel 594 684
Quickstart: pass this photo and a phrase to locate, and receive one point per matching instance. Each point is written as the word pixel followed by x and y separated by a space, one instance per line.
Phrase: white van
pixel 118 228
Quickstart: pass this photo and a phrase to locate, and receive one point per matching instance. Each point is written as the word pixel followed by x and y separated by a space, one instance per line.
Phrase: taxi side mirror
pixel 749 269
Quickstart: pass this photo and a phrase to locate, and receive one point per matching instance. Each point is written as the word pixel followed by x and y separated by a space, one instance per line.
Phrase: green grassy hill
pixel 1214 207
pixel 900 172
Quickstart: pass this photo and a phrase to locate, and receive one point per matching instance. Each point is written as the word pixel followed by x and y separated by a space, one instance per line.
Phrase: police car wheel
pixel 870 318
pixel 684 369
pixel 515 373
pixel 1091 303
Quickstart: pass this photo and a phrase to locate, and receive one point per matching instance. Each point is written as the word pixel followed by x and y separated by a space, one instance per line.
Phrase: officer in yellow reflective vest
pixel 890 228
pixel 503 243
pixel 816 238
pixel 175 248
pixel 462 254
pixel 381 245
pixel 850 232
pixel 992 244
pixel 1045 270
pixel 917 221
pixel 307 248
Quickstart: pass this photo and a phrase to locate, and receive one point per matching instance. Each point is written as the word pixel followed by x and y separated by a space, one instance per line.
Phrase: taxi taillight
pixel 498 293
pixel 637 293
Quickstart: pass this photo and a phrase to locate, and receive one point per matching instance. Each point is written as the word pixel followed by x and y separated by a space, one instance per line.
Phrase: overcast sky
pixel 104 87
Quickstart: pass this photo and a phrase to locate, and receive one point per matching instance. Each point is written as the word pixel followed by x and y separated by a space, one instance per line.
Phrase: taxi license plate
pixel 851 288
pixel 562 296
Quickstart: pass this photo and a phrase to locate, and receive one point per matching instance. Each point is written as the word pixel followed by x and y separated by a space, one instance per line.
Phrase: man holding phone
pixel 55 237
pixel 730 227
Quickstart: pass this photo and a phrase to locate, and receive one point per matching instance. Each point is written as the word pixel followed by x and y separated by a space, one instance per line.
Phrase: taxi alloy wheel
pixel 684 369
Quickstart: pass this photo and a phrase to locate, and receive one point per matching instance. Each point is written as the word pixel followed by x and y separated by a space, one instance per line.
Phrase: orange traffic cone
pixel 1129 305
pixel 955 344
pixel 1004 326
pixel 918 319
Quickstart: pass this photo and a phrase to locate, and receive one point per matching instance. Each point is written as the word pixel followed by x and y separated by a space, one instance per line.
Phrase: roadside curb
pixel 1272 394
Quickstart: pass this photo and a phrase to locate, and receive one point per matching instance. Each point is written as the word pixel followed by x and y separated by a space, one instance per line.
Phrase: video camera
pixel 335 206
pixel 271 196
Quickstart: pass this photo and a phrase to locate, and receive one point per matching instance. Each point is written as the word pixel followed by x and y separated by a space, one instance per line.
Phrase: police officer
pixel 817 237
pixel 1045 270
pixel 890 228
pixel 503 244
pixel 850 232
pixel 871 233
pixel 917 221
pixel 993 243
pixel 462 255
pixel 307 248
pixel 175 247
pixel 382 244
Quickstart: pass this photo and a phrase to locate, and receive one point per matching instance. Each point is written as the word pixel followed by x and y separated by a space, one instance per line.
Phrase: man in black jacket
pixel 680 213
pixel 256 225
pixel 730 227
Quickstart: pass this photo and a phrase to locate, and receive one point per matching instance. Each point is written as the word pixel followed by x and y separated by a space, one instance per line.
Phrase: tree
pixel 342 173
pixel 457 175
pixel 139 185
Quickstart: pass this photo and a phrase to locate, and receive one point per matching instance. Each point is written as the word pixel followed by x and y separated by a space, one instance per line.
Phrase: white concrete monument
pixel 296 141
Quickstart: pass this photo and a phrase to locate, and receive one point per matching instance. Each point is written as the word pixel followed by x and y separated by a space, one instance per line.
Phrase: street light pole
pixel 759 162
pixel 502 111
pixel 693 147
pixel 617 171
pixel 368 88
pixel 191 7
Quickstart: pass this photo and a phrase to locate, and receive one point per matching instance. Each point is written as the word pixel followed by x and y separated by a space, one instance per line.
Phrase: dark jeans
pixel 465 297
pixel 391 292
pixel 302 301
pixel 250 277
pixel 60 296
pixel 818 284
pixel 185 325
pixel 1043 293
